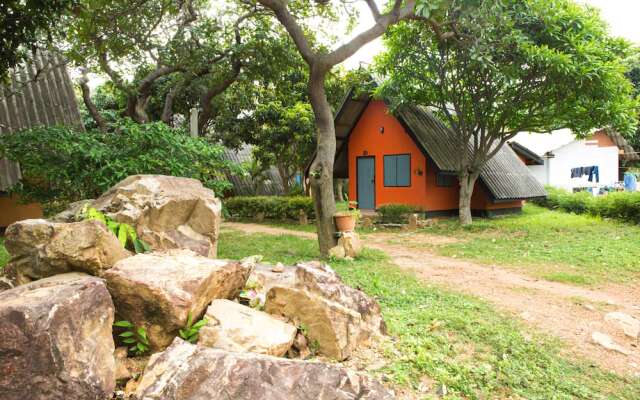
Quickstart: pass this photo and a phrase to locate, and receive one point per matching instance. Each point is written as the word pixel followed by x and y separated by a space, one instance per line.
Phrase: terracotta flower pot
pixel 345 222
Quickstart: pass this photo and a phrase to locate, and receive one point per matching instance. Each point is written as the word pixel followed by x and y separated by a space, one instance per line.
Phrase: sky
pixel 623 17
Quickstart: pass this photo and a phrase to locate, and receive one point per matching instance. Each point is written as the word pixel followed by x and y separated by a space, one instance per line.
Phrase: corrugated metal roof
pixel 504 175
pixel 41 94
pixel 245 185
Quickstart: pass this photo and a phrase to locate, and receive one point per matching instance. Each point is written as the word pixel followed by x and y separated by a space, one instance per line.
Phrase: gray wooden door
pixel 366 183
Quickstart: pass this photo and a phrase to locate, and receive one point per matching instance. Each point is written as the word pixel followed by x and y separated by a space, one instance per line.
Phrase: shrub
pixel 395 213
pixel 62 164
pixel 273 207
pixel 623 206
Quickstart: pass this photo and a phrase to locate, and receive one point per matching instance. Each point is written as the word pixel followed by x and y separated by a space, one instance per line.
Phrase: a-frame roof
pixel 505 175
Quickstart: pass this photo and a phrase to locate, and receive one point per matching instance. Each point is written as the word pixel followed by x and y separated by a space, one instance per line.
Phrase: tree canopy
pixel 26 25
pixel 493 69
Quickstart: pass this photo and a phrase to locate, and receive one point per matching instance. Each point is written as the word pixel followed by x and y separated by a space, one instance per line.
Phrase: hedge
pixel 273 207
pixel 395 213
pixel 624 206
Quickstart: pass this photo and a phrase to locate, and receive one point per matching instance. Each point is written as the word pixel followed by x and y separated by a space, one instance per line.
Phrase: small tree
pixel 505 67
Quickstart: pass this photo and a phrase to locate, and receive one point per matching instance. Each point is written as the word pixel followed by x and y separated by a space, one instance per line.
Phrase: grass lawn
pixel 552 245
pixel 4 256
pixel 449 338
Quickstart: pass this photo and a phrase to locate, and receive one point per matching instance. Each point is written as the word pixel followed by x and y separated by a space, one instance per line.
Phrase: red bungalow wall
pixel 367 139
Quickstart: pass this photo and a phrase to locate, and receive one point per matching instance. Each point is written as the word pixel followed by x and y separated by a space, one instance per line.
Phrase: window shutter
pixel 390 168
pixel 403 170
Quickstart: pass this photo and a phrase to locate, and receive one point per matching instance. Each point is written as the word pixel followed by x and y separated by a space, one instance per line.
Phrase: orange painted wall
pixel 602 139
pixel 11 210
pixel 366 139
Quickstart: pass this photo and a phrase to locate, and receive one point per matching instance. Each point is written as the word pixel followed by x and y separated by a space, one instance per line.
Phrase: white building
pixel 552 157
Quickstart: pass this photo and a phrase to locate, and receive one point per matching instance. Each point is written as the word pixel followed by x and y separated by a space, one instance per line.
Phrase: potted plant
pixel 346 220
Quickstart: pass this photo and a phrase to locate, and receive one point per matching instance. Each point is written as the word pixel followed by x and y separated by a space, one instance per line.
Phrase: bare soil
pixel 567 312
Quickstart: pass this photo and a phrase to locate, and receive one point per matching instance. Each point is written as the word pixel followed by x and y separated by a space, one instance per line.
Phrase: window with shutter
pixel 397 170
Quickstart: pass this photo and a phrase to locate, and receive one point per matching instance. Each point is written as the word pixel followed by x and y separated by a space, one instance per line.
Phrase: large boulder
pixel 234 327
pixel 40 248
pixel 168 212
pixel 188 372
pixel 159 290
pixel 338 317
pixel 56 340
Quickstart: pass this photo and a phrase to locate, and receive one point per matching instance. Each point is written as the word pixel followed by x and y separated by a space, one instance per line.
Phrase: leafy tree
pixel 26 25
pixel 60 164
pixel 506 67
pixel 634 76
pixel 177 42
pixel 302 20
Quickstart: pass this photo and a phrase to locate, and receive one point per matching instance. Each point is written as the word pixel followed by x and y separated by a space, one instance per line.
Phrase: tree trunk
pixel 285 177
pixel 167 110
pixel 340 190
pixel 321 171
pixel 91 107
pixel 467 183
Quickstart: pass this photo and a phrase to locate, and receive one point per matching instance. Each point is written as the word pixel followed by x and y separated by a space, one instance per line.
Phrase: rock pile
pixel 73 279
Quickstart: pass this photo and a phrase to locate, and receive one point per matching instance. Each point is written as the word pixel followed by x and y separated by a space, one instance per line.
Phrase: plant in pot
pixel 346 220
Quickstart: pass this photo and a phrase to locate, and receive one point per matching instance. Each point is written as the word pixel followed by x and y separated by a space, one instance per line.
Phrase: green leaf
pixel 126 334
pixel 123 324
pixel 137 246
pixel 122 235
pixel 199 324
pixel 129 341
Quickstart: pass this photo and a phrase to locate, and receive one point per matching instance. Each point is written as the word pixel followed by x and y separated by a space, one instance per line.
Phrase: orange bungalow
pixel 408 158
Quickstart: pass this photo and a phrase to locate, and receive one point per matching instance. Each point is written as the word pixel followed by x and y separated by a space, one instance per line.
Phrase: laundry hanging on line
pixel 592 171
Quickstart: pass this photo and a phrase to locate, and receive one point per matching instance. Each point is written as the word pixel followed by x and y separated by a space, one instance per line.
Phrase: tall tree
pixel 507 67
pixel 294 16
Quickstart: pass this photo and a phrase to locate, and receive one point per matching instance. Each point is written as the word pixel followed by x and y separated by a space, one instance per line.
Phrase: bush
pixel 63 165
pixel 273 207
pixel 623 206
pixel 395 213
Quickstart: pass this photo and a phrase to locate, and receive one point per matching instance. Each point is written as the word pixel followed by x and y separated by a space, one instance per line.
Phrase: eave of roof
pixel 526 153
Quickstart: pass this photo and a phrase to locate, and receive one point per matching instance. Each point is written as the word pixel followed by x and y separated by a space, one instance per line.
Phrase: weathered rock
pixel 608 343
pixel 188 372
pixel 159 290
pixel 629 325
pixel 73 212
pixel 41 248
pixel 167 212
pixel 56 340
pixel 336 316
pixel 413 222
pixel 234 327
pixel 349 245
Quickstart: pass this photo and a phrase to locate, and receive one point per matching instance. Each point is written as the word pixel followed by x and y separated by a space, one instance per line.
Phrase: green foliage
pixel 512 66
pixel 623 206
pixel 4 254
pixel 63 164
pixel 551 245
pixel 125 233
pixel 450 338
pixel 191 330
pixel 134 338
pixel 273 207
pixel 26 23
pixel 395 213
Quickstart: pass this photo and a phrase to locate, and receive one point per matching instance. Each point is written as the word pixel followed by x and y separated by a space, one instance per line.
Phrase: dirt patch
pixel 568 312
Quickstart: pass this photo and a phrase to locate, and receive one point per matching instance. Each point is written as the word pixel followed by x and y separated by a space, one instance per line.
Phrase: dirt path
pixel 569 312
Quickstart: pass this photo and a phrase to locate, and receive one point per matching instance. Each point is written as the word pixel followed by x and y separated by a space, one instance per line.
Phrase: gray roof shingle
pixel 505 175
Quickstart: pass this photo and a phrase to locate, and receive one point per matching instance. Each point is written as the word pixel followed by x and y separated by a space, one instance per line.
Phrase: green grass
pixel 552 245
pixel 4 256
pixel 452 339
